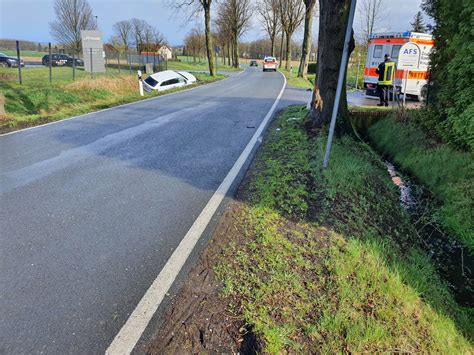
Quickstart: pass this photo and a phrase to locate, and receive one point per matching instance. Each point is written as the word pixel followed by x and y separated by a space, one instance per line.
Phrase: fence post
pixel 50 63
pixel 92 67
pixel 129 62
pixel 19 63
pixel 73 64
pixel 119 61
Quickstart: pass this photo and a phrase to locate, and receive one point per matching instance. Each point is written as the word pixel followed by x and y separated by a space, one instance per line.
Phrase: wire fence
pixel 25 63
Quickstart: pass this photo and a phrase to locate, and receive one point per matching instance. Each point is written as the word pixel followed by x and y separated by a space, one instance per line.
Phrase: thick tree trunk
pixel 288 51
pixel 272 49
pixel 308 28
pixel 332 28
pixel 209 46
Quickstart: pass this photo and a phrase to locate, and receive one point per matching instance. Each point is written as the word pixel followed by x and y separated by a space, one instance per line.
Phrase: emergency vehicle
pixel 381 44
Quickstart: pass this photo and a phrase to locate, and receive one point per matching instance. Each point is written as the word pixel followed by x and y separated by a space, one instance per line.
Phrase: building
pixel 165 52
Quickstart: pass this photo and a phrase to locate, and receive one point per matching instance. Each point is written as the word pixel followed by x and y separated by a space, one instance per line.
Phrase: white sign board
pixel 409 57
pixel 93 50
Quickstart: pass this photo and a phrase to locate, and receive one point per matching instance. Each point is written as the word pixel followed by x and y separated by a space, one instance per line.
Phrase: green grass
pixel 325 261
pixel 447 172
pixel 293 79
pixel 187 63
pixel 37 101
pixel 23 53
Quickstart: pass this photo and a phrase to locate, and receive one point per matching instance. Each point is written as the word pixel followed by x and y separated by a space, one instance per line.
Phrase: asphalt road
pixel 92 208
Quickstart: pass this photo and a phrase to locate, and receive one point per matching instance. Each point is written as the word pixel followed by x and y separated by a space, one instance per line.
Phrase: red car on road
pixel 270 63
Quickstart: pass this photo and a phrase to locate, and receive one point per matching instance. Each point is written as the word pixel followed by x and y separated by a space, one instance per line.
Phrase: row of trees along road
pixel 73 16
pixel 137 33
pixel 286 16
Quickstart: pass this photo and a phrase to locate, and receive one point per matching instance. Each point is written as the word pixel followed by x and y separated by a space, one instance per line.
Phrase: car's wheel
pixel 3 64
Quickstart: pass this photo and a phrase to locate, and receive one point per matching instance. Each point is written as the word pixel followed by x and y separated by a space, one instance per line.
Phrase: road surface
pixel 92 208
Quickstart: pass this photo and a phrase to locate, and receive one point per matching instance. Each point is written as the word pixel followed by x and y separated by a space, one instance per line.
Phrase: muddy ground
pixel 199 319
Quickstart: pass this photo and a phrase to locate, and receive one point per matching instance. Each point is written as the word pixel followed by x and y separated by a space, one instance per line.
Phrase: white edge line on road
pixel 128 336
pixel 123 105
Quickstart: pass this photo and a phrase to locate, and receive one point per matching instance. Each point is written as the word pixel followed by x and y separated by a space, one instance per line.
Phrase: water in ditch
pixel 454 263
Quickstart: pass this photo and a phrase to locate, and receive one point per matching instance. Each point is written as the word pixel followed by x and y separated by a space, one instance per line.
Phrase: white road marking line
pixel 128 336
pixel 123 105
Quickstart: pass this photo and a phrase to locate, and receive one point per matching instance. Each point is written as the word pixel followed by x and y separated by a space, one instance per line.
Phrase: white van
pixel 381 44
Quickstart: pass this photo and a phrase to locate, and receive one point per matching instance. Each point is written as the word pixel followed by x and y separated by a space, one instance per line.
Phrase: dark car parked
pixel 58 60
pixel 10 62
pixel 253 63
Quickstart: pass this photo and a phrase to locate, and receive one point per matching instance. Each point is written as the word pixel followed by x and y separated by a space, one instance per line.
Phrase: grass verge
pixel 293 79
pixel 325 260
pixel 37 101
pixel 447 172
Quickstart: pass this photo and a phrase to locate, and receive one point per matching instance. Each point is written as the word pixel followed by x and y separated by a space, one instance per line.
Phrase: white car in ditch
pixel 168 79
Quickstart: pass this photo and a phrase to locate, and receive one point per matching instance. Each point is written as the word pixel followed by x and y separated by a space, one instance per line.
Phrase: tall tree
pixel 72 16
pixel 123 31
pixel 292 14
pixel 237 15
pixel 333 17
pixel 138 32
pixel 370 16
pixel 268 11
pixel 418 25
pixel 194 7
pixel 307 41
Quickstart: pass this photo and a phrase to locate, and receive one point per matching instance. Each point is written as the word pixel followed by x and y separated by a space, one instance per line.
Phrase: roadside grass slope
pixel 325 260
pixel 446 171
pixel 37 101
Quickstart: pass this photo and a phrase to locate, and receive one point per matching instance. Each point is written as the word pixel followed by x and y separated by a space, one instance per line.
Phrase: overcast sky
pixel 29 19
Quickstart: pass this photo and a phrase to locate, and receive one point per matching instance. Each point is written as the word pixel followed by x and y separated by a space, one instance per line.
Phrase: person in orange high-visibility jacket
pixel 386 72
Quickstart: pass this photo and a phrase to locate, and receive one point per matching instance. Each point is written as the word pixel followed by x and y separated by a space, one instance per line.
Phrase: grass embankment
pixel 293 79
pixel 325 261
pixel 37 101
pixel 447 172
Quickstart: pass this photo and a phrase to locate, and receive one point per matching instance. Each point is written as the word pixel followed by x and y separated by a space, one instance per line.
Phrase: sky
pixel 29 19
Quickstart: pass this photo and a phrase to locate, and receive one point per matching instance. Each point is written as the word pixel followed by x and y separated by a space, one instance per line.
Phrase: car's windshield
pixel 150 81
pixel 3 55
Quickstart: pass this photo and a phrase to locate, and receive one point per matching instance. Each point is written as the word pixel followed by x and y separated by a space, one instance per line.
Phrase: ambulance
pixel 414 82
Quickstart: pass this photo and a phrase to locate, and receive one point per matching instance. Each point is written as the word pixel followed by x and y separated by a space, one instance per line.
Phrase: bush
pixel 452 66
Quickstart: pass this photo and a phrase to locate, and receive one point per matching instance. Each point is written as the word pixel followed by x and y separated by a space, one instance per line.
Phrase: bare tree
pixel 333 17
pixel 270 20
pixel 236 14
pixel 308 29
pixel 138 29
pixel 123 31
pixel 194 7
pixel 72 16
pixel 370 14
pixel 292 14
pixel 195 42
